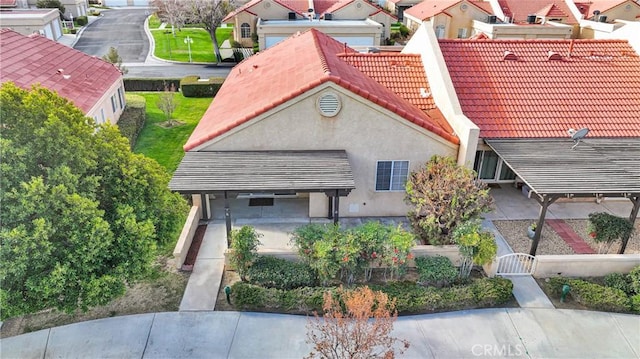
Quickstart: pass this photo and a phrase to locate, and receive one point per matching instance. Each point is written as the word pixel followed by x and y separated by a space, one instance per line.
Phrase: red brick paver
pixel 570 236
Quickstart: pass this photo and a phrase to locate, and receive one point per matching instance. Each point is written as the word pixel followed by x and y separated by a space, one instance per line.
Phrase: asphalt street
pixel 175 70
pixel 122 29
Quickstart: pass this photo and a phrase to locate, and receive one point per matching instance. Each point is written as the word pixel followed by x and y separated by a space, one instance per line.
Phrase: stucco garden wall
pixel 584 265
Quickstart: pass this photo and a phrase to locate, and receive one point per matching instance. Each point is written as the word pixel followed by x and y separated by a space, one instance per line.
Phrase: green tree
pixel 81 214
pixel 244 249
pixel 209 13
pixel 114 58
pixel 443 195
pixel 476 246
pixel 50 4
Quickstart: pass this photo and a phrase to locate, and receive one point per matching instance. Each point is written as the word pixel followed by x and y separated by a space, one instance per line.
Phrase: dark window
pixel 245 31
pixel 391 175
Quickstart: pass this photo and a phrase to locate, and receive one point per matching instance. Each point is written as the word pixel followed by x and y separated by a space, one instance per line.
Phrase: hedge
pixel 149 85
pixel 82 20
pixel 272 272
pixel 591 295
pixel 133 117
pixel 410 297
pixel 192 86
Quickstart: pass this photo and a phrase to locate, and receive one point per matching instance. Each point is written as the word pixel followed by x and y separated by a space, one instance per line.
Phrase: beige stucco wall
pixel 181 249
pixel 241 18
pixel 386 20
pixel 628 10
pixel 513 31
pixel 624 30
pixel 105 104
pixel 27 23
pixel 584 265
pixel 366 131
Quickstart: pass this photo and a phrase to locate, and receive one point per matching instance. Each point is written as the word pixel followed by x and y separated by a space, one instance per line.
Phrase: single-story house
pixel 45 22
pixel 450 19
pixel 92 84
pixel 312 119
pixel 356 22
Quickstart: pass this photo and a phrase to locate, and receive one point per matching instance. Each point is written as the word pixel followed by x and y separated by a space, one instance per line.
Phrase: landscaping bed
pixel 161 292
pixel 515 233
pixel 580 227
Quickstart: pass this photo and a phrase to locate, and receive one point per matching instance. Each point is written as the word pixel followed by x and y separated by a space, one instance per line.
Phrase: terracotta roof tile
pixel 429 8
pixel 518 10
pixel 289 69
pixel 28 60
pixel 597 87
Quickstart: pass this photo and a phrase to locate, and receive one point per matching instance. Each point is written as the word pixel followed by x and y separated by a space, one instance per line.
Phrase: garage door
pixel 272 40
pixel 140 2
pixel 355 41
pixel 114 2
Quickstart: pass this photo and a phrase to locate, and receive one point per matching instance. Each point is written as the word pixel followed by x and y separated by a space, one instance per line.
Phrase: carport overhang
pixel 555 168
pixel 225 173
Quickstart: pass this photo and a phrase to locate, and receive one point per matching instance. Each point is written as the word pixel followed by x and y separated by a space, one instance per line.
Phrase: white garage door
pixel 355 41
pixel 114 2
pixel 140 2
pixel 272 40
pixel 48 32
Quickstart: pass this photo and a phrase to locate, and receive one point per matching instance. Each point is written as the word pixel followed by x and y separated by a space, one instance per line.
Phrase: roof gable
pixel 542 92
pixel 518 10
pixel 606 5
pixel 76 76
pixel 287 70
pixel 430 8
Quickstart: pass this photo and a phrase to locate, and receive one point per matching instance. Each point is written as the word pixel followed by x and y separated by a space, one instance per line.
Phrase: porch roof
pixel 596 166
pixel 264 171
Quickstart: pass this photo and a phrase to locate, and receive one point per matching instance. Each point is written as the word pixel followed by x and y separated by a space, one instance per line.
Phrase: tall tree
pixel 173 12
pixel 50 4
pixel 81 215
pixel 443 195
pixel 209 13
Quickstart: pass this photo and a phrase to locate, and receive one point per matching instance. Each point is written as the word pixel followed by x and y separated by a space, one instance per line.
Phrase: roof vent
pixel 329 104
pixel 552 55
pixel 509 55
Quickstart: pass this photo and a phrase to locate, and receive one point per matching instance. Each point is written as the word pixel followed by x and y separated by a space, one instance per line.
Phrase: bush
pixel 149 85
pixel 245 296
pixel 81 20
pixel 619 281
pixel 635 303
pixel 437 271
pixel 634 278
pixel 271 272
pixel 73 31
pixel 133 117
pixel 244 249
pixel 191 86
pixel 490 292
pixel 592 295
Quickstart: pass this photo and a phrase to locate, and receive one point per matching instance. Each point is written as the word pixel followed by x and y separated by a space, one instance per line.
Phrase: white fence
pixel 516 264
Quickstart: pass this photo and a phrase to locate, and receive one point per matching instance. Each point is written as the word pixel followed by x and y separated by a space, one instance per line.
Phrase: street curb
pixel 79 34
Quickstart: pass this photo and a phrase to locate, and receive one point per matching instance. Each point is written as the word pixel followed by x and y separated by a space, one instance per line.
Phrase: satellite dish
pixel 578 135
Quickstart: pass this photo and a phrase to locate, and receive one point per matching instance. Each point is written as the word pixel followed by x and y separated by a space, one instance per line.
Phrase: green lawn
pixel 173 48
pixel 165 144
pixel 154 22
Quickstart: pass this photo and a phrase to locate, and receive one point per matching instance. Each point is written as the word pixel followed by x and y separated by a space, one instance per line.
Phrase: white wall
pixel 584 265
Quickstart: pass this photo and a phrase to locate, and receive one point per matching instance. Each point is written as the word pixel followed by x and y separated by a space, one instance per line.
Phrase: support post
pixel 205 206
pixel 227 218
pixel 330 211
pixel 632 219
pixel 336 208
pixel 544 201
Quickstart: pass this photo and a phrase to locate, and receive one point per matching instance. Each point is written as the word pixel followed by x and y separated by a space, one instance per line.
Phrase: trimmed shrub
pixel 192 86
pixel 272 272
pixel 592 295
pixel 245 296
pixel 635 303
pixel 634 278
pixel 149 85
pixel 619 281
pixel 489 292
pixel 133 117
pixel 81 20
pixel 437 271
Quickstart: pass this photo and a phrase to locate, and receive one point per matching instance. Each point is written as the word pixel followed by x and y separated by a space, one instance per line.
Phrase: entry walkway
pixel 510 332
pixel 570 236
pixel 525 289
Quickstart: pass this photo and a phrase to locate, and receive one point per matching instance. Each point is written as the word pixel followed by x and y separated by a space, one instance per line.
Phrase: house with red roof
pixel 355 22
pixel 534 90
pixel 331 129
pixel 92 84
pixel 605 18
pixel 45 22
pixel 450 19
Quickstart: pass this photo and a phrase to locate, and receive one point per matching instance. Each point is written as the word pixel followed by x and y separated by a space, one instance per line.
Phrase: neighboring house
pixel 45 22
pixel 117 3
pixel 93 85
pixel 600 18
pixel 337 129
pixel 72 7
pixel 536 90
pixel 356 22
pixel 398 7
pixel 450 19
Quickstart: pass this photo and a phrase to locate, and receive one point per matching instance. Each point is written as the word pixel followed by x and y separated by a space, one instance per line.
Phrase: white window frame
pixel 114 106
pixel 245 30
pixel 394 163
pixel 121 97
pixel 441 31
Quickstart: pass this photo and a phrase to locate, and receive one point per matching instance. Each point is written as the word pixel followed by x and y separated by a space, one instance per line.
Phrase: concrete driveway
pixel 120 28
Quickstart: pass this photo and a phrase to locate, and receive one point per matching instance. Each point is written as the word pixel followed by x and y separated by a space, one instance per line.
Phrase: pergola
pixel 554 168
pixel 226 173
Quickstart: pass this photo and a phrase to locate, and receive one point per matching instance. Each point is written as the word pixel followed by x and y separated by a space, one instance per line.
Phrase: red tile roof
pixel 533 97
pixel 551 10
pixel 606 5
pixel 287 70
pixel 7 3
pixel 302 6
pixel 430 8
pixel 76 76
pixel 518 10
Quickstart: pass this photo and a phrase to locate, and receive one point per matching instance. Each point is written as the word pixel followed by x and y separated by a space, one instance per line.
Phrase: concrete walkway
pixel 512 332
pixel 202 289
pixel 525 289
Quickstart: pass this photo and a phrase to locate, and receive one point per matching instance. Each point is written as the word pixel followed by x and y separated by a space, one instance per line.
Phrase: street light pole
pixel 188 41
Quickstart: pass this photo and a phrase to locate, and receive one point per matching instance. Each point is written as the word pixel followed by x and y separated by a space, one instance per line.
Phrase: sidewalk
pixel 512 332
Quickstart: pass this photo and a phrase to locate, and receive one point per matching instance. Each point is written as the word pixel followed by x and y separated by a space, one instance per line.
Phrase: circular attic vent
pixel 329 104
pixel 267 5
